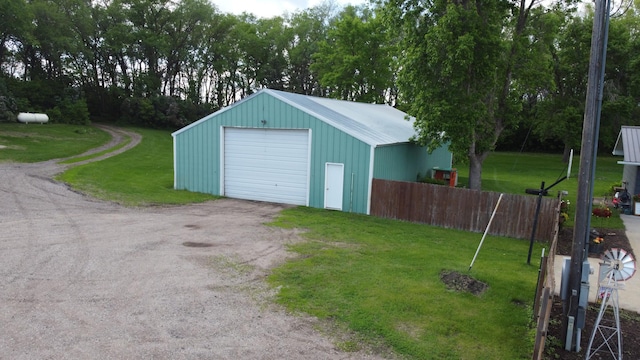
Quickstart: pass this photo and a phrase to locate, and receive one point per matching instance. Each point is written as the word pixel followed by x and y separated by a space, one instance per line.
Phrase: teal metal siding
pixel 439 158
pixel 198 150
pixel 197 162
pixel 400 162
pixel 332 145
pixel 404 162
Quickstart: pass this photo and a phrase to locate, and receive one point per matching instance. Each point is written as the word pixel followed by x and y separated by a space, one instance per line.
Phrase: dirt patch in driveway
pixel 83 278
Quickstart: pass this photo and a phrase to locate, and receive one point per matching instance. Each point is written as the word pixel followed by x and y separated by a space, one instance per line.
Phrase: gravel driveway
pixel 87 279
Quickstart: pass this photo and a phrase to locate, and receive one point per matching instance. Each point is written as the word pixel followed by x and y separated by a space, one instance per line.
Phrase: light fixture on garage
pixel 263 122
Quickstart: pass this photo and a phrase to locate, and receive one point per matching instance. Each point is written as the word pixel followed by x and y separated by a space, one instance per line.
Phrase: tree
pixel 354 62
pixel 559 113
pixel 185 31
pixel 14 25
pixel 620 99
pixel 463 75
pixel 308 28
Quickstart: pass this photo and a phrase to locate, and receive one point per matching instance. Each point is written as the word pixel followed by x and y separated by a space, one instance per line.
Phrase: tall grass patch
pixel 382 278
pixel 140 176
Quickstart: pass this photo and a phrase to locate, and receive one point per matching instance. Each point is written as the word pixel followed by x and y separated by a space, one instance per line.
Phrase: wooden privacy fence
pixel 545 293
pixel 463 209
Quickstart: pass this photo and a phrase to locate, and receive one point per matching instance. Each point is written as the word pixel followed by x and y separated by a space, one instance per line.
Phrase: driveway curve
pixel 87 279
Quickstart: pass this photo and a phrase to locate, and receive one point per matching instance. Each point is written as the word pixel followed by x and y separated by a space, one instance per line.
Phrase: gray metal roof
pixel 374 124
pixel 628 145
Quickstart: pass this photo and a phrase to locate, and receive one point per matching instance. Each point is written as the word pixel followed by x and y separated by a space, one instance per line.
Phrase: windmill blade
pixel 620 264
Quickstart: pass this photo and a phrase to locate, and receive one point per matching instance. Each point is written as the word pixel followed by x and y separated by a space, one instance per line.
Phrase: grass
pixel 514 172
pixel 137 177
pixel 379 278
pixel 382 278
pixel 95 155
pixel 34 142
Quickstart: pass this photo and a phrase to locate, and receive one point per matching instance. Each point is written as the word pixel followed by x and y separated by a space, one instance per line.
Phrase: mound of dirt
pixel 461 282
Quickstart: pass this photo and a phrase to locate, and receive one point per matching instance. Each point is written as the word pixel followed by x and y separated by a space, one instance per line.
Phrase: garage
pixel 298 149
pixel 266 164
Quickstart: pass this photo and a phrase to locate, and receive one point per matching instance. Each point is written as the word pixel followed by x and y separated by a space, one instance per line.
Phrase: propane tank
pixel 32 118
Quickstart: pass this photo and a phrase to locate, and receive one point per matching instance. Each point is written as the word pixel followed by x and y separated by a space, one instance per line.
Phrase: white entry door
pixel 333 186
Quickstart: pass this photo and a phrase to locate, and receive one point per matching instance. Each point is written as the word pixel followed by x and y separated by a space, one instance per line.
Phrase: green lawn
pixel 514 172
pixel 76 159
pixel 382 279
pixel 140 176
pixel 378 278
pixel 36 142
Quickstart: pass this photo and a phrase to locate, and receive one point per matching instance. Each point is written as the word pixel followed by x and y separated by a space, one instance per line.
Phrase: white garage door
pixel 266 165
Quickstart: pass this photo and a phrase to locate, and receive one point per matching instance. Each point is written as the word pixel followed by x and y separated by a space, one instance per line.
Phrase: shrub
pixel 8 104
pixel 70 112
pixel 430 180
pixel 162 112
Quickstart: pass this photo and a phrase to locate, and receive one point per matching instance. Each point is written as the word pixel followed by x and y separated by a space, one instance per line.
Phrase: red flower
pixel 601 212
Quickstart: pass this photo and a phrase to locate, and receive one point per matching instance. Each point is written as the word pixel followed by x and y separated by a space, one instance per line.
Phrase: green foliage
pixel 474 66
pixel 430 180
pixel 308 29
pixel 382 279
pixel 478 73
pixel 14 25
pixel 559 112
pixel 70 112
pixel 162 112
pixel 8 104
pixel 354 63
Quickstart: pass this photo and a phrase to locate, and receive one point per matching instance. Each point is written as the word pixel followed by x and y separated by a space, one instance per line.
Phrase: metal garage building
pixel 295 149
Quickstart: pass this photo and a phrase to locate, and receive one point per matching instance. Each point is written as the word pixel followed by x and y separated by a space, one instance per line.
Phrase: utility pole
pixel 575 305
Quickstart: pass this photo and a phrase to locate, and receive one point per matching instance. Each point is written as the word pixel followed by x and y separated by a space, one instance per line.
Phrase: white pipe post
pixel 486 231
pixel 570 163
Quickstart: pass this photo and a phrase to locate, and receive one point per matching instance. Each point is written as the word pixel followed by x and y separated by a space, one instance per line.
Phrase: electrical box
pixel 580 320
pixel 586 271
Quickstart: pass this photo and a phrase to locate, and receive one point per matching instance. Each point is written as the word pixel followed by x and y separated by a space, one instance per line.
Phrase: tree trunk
pixel 475 171
pixel 2 50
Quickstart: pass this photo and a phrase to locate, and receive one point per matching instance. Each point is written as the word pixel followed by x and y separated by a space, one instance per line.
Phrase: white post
pixel 485 231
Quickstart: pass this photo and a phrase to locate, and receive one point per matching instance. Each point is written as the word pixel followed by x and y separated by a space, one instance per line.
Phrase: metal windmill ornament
pixel 617 266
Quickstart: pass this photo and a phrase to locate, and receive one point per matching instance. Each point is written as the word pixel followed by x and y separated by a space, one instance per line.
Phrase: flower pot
pixel 595 248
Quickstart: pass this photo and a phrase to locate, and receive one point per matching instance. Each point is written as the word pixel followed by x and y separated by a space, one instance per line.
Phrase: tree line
pixel 506 74
pixel 166 63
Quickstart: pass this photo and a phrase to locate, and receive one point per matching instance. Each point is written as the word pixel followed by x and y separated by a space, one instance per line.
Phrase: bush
pixel 7 109
pixel 70 112
pixel 8 104
pixel 162 112
pixel 428 180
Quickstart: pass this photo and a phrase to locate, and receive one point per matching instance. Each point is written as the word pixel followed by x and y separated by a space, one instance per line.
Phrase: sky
pixel 271 8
